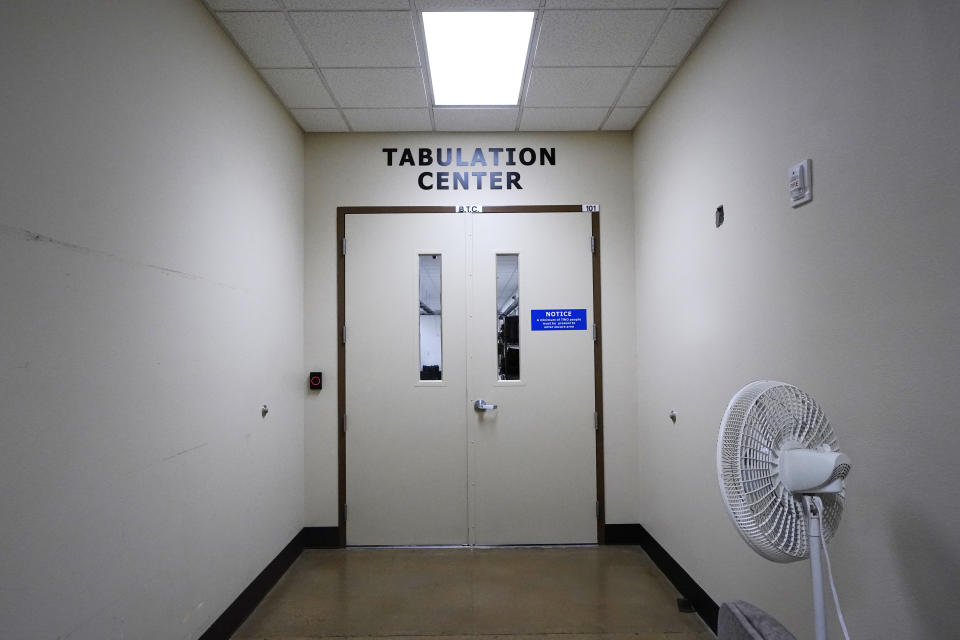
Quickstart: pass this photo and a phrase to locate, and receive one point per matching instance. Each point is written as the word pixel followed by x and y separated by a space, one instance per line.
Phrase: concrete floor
pixel 540 593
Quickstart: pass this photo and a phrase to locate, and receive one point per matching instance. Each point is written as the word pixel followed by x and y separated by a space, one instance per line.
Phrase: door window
pixel 508 316
pixel 431 317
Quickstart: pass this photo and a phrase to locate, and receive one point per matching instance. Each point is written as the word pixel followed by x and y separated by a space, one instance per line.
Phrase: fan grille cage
pixel 762 420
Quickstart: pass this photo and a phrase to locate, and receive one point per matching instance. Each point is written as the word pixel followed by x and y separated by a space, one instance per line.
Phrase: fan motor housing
pixel 810 471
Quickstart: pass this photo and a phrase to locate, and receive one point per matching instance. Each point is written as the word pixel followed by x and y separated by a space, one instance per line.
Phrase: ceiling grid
pixel 421 41
pixel 531 54
pixel 633 72
pixel 316 68
pixel 362 65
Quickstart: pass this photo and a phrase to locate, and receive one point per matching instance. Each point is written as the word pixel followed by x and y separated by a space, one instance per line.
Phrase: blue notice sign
pixel 558 319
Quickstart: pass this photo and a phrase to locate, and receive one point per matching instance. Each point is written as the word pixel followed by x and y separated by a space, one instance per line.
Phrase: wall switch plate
pixel 800 185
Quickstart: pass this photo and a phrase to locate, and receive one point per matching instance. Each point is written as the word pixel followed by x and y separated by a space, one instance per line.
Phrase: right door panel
pixel 533 469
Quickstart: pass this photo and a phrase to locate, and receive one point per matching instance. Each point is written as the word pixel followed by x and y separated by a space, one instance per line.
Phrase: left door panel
pixel 406 440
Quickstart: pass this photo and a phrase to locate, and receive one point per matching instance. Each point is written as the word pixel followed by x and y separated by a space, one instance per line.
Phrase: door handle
pixel 480 405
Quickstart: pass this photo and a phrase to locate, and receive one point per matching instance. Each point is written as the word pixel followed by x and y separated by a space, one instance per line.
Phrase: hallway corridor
pixel 545 593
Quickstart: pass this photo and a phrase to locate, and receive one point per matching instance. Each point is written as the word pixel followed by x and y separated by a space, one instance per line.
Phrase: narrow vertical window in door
pixel 431 317
pixel 508 317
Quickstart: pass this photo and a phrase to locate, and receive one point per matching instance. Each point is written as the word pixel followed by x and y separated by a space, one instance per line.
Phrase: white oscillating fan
pixel 781 477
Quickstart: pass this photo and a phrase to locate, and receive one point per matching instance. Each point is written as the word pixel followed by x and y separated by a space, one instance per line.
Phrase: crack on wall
pixel 32 236
pixel 176 455
pixel 88 619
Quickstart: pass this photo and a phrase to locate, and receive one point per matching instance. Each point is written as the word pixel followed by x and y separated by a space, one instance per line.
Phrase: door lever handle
pixel 480 405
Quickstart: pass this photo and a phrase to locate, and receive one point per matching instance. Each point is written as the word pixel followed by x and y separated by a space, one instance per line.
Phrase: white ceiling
pixel 360 65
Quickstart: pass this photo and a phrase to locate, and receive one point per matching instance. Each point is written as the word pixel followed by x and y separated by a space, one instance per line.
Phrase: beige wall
pixel 151 286
pixel 351 170
pixel 854 297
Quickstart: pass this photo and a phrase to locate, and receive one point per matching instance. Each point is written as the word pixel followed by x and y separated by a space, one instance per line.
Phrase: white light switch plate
pixel 800 184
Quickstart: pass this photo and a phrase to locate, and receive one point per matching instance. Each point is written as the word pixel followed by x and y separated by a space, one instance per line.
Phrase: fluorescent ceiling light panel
pixel 477 57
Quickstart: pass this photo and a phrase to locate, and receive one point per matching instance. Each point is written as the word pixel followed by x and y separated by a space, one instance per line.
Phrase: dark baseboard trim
pixel 623 534
pixel 231 619
pixel 706 608
pixel 238 611
pixel 321 537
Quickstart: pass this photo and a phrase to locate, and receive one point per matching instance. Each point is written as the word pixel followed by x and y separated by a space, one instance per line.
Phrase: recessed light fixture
pixel 477 57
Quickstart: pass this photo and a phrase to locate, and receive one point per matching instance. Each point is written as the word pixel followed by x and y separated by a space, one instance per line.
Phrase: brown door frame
pixel 341 346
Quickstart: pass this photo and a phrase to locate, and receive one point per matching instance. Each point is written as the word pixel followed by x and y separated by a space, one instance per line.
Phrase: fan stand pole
pixel 815 540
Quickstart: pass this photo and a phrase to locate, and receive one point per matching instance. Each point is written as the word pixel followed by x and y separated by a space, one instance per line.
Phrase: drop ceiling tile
pixel 359 38
pixel 595 38
pixel 389 119
pixel 243 5
pixel 677 35
pixel 481 5
pixel 587 119
pixel 298 88
pixel 608 4
pixel 334 5
pixel 645 86
pixel 575 87
pixel 266 38
pixel 319 119
pixel 488 119
pixel 623 118
pixel 362 88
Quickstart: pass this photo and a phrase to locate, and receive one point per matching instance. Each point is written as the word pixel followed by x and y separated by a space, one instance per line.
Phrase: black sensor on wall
pixel 316 380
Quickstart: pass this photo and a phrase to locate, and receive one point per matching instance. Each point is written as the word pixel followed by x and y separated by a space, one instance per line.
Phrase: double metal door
pixel 443 311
